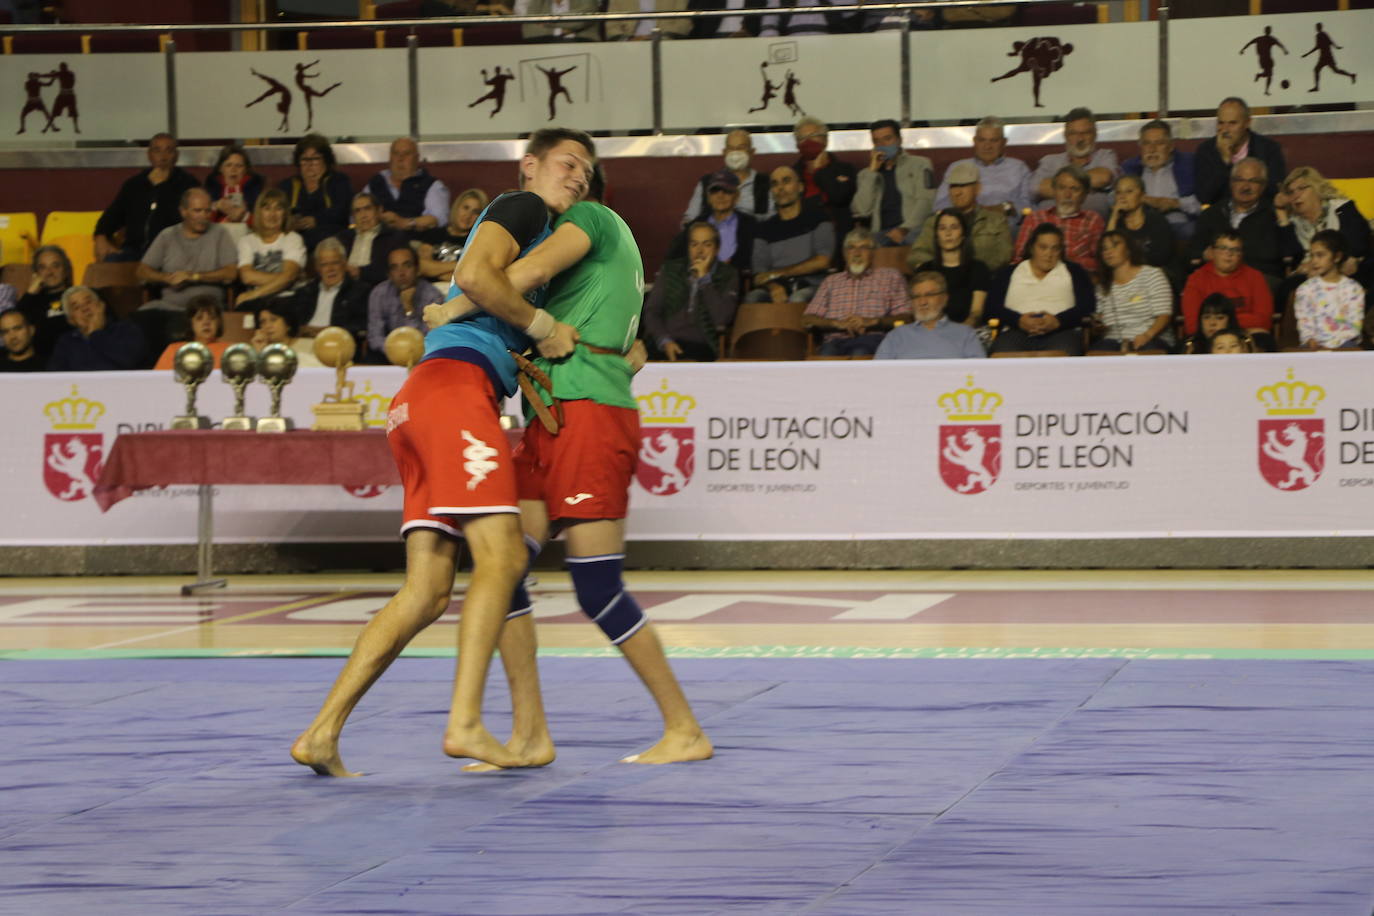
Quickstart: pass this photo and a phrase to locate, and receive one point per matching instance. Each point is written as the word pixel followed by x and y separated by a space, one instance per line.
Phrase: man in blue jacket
pixel 1169 178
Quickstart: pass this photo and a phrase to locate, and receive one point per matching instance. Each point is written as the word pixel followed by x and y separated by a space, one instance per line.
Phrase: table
pixel 206 457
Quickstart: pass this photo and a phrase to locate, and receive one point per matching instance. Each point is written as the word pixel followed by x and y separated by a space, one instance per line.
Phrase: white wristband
pixel 542 326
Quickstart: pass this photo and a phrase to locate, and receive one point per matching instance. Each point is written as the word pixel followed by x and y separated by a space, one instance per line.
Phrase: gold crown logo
pixel 1291 398
pixel 965 404
pixel 375 405
pixel 74 412
pixel 664 406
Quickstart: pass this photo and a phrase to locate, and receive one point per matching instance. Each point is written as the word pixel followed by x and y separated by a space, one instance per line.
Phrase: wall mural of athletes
pixel 1035 72
pixel 512 90
pixel 774 81
pixel 1297 59
pixel 65 98
pixel 289 93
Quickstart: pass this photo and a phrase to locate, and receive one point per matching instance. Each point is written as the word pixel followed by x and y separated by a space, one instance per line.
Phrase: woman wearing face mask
pixel 966 278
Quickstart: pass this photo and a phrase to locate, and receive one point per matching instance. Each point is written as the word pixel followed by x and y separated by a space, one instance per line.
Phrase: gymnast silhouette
pixel 275 88
pixel 310 92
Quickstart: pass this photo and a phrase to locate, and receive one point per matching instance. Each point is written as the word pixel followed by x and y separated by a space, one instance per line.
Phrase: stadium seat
pixel 73 231
pixel 767 330
pixel 18 237
pixel 17 276
pixel 1360 190
pixel 894 257
pixel 117 283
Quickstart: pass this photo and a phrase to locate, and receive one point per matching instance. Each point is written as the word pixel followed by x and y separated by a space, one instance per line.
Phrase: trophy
pixel 193 364
pixel 404 347
pixel 276 365
pixel 239 366
pixel 335 348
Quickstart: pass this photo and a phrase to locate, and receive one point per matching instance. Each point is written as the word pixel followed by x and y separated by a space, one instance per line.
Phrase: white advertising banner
pixel 1035 72
pixel 82 97
pixel 290 93
pixel 1258 445
pixel 512 90
pixel 1295 59
pixel 759 81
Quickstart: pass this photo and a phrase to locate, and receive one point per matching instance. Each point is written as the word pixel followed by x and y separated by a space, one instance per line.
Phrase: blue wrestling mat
pixel 841 787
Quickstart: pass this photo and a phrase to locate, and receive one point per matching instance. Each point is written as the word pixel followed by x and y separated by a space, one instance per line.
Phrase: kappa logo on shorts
pixel 574 500
pixel 478 463
pixel 396 416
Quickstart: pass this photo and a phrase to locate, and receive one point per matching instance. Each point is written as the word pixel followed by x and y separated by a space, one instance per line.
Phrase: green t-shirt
pixel 601 296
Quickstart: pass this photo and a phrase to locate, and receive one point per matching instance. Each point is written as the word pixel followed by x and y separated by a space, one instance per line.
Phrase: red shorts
pixel 444 429
pixel 584 472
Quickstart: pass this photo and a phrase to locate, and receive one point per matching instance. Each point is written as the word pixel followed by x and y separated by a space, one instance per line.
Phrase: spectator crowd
pixel 1223 249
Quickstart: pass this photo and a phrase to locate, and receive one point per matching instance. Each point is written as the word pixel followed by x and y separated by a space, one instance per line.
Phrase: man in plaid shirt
pixel 1082 228
pixel 859 306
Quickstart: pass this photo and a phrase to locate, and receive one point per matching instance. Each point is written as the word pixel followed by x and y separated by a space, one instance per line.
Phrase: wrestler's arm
pixel 568 245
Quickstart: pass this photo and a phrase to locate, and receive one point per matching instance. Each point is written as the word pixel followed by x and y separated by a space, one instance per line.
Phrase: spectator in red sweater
pixel 1227 273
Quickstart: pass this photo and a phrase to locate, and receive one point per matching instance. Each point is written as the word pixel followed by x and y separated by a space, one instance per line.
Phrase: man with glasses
pixel 931 335
pixel 1080 149
pixel 1227 273
pixel 856 307
pixel 1167 176
pixel 1235 142
pixel 1247 212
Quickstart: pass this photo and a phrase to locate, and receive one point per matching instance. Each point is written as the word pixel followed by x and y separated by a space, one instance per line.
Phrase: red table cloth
pixel 213 456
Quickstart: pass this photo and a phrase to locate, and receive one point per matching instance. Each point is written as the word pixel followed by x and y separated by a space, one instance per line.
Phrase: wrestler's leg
pixel 498 562
pixel 425 594
pixel 682 738
pixel 519 645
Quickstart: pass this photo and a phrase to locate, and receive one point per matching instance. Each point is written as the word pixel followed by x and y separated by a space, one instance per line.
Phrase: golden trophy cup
pixel 277 366
pixel 239 366
pixel 404 347
pixel 335 348
pixel 193 364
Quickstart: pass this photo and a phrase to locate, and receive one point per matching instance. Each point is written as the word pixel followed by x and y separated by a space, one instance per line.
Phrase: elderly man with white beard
pixel 1080 149
pixel 931 335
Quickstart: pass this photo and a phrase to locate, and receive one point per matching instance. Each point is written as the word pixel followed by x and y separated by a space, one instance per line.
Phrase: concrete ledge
pixel 1155 553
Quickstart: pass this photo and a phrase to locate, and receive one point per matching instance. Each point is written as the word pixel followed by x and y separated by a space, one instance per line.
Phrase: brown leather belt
pixel 528 375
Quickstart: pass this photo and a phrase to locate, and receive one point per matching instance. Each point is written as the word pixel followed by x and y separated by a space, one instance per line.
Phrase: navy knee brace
pixel 602 596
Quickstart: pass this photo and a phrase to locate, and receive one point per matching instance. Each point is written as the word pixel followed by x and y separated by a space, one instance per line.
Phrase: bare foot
pixel 674 748
pixel 476 742
pixel 533 753
pixel 320 754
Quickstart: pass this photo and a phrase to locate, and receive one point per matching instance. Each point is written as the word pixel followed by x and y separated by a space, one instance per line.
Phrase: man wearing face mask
pixel 1080 149
pixel 858 306
pixel 896 193
pixel 754 198
pixel 825 179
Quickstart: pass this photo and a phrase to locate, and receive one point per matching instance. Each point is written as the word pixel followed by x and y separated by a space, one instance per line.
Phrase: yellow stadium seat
pixel 1360 190
pixel 61 223
pixel 18 237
